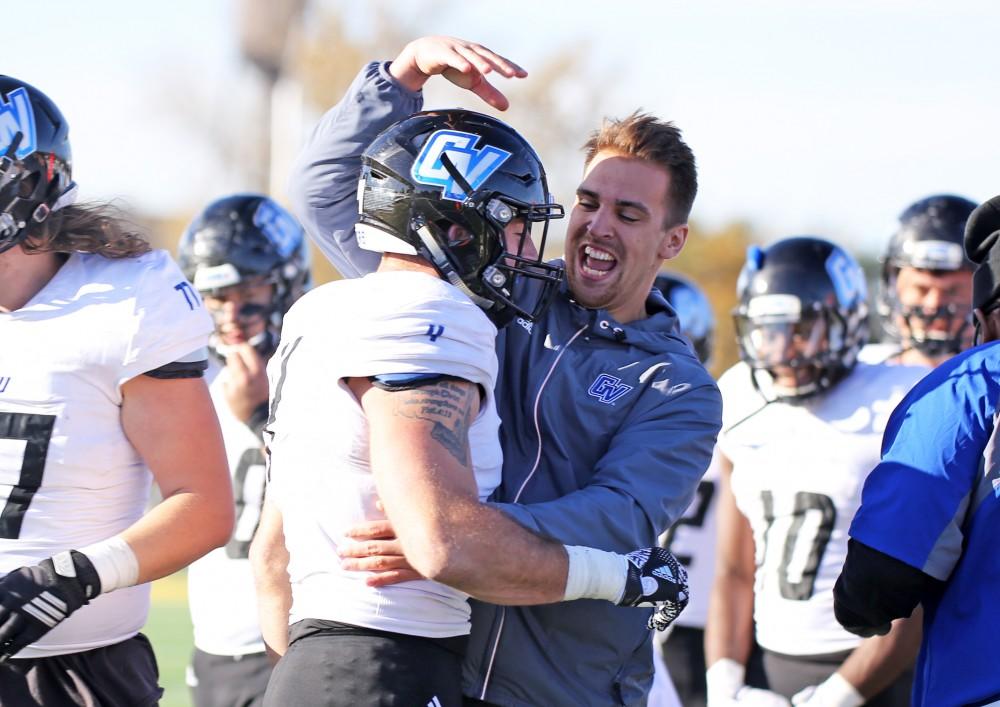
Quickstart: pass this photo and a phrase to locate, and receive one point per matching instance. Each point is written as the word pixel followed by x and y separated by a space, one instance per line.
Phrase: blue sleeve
pixel 642 484
pixel 324 181
pixel 915 502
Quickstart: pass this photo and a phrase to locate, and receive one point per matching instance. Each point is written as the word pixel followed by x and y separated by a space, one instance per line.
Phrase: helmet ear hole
pixel 457 235
pixel 26 187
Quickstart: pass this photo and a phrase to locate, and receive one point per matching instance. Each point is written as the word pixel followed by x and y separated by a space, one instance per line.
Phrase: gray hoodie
pixel 607 429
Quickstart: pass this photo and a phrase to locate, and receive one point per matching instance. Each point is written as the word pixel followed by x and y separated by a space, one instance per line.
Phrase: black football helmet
pixel 247 239
pixel 802 307
pixel 929 237
pixel 35 160
pixel 693 310
pixel 444 185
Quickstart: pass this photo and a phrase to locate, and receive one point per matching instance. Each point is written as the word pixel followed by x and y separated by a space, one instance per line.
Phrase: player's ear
pixel 991 329
pixel 987 324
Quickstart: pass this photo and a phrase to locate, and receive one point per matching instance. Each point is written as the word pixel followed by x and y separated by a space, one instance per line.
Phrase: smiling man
pixel 608 417
pixel 630 214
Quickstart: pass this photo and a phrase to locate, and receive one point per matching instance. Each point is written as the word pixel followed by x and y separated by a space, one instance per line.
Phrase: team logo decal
pixel 278 226
pixel 190 295
pixel 16 117
pixel 475 165
pixel 847 279
pixel 434 331
pixel 608 389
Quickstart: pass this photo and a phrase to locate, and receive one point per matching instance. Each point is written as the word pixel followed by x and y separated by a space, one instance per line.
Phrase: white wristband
pixel 724 679
pixel 115 563
pixel 836 691
pixel 595 574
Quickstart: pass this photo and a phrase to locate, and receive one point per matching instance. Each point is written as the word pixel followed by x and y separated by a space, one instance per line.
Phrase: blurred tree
pixel 713 259
pixel 266 30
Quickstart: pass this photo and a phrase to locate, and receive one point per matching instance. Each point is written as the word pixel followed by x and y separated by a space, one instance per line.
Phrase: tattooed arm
pixel 423 471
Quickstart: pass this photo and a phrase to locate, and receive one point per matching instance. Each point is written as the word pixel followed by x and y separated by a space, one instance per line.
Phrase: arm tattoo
pixel 448 407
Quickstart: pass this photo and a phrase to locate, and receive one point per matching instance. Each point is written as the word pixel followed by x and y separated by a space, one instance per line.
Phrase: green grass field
pixel 169 629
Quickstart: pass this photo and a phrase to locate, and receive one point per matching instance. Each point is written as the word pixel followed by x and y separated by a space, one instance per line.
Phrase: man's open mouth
pixel 596 262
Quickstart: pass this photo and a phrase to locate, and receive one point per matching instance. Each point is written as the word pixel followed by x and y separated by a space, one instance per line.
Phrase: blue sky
pixel 815 117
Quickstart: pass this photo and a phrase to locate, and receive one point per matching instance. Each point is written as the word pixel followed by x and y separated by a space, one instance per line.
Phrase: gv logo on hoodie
pixel 608 389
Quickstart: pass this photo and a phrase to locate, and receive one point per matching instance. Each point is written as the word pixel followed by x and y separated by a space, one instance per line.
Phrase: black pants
pixel 330 664
pixel 120 674
pixel 227 680
pixel 787 674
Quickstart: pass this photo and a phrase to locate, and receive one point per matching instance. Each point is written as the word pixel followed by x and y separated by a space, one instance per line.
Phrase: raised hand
pixel 466 64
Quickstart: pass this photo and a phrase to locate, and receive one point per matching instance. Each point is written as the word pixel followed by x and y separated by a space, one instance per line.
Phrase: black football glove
pixel 657 579
pixel 33 600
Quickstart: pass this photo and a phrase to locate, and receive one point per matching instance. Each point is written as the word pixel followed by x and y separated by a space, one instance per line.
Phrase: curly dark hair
pixel 98 227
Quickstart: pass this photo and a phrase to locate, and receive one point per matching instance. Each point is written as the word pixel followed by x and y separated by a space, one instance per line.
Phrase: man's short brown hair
pixel 659 142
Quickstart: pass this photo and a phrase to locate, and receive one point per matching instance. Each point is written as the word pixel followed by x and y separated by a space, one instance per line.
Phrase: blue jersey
pixel 933 502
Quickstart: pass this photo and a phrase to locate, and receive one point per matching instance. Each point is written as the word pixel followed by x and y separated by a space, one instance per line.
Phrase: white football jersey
pixel 692 540
pixel 882 352
pixel 220 585
pixel 68 475
pixel 798 470
pixel 320 479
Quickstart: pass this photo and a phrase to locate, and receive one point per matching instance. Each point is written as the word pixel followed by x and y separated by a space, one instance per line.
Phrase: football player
pixel 608 417
pixel 248 259
pixel 382 392
pixel 694 312
pixel 926 284
pixel 101 392
pixel 802 425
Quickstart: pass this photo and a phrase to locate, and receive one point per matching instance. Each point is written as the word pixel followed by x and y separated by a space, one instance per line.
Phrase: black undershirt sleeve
pixel 179 369
pixel 874 588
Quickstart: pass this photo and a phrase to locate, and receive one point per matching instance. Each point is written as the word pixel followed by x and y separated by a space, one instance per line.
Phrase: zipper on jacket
pixel 517 496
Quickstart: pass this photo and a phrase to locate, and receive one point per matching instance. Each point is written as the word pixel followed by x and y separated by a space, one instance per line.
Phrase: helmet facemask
pixel 802 352
pixel 943 331
pixel 501 270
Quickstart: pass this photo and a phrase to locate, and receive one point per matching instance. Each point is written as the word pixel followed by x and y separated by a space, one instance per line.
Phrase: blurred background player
pixel 802 427
pixel 925 288
pixel 693 310
pixel 248 258
pixel 681 652
pixel 101 392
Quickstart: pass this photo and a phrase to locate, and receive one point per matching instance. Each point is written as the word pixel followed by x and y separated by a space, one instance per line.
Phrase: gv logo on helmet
pixel 475 165
pixel 608 389
pixel 277 226
pixel 16 117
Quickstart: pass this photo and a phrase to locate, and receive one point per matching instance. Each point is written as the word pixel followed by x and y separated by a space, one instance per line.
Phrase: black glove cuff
pixel 83 570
